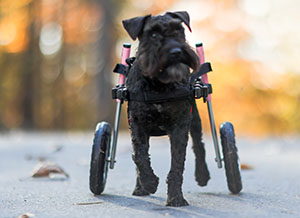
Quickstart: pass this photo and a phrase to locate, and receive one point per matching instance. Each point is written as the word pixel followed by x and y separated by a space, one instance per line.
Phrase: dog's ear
pixel 183 16
pixel 134 26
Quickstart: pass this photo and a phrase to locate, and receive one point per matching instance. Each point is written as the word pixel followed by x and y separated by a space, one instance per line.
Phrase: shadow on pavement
pixel 156 206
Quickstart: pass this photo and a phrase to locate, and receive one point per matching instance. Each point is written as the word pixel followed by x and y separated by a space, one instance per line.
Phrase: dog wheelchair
pixel 104 148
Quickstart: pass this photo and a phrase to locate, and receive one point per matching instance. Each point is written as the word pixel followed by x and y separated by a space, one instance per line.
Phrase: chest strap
pixel 196 89
pixel 150 96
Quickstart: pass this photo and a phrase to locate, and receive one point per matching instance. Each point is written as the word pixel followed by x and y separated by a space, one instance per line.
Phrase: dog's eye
pixel 154 35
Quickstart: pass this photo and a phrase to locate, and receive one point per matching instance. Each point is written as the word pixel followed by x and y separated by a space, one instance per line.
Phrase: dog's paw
pixel 202 174
pixel 177 201
pixel 149 183
pixel 139 191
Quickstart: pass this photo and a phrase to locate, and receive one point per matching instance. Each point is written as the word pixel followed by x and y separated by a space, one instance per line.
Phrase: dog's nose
pixel 175 52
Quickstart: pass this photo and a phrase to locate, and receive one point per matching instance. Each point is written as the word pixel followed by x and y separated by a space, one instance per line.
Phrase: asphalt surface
pixel 270 189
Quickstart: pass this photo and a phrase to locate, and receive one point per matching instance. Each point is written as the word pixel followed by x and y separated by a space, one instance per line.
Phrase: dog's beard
pixel 174 73
pixel 147 64
pixel 178 70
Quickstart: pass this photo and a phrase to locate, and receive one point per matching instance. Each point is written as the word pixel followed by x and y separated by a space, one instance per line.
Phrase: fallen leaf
pixel 57 176
pixel 246 167
pixel 48 169
pixel 90 203
pixel 26 215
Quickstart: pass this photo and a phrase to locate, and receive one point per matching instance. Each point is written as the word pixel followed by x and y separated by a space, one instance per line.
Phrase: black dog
pixel 162 66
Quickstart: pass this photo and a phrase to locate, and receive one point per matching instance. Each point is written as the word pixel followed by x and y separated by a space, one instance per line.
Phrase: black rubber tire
pixel 231 158
pixel 99 157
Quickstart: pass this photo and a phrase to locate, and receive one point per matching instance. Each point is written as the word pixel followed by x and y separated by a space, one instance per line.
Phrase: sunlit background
pixel 57 56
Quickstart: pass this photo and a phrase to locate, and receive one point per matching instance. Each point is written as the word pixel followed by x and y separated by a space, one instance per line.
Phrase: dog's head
pixel 163 52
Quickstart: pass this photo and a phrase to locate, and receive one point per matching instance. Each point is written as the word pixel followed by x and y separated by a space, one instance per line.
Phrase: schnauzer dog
pixel 163 63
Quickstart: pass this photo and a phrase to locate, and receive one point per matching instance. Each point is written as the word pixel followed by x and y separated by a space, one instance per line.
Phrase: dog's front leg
pixel 178 138
pixel 147 181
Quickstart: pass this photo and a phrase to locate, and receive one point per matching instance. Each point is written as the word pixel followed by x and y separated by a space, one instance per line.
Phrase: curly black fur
pixel 164 60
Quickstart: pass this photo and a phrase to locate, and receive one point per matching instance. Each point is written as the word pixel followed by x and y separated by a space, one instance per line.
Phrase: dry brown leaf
pixel 246 167
pixel 48 169
pixel 26 215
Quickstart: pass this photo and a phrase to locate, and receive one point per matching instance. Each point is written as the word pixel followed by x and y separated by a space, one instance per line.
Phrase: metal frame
pixel 125 54
pixel 204 78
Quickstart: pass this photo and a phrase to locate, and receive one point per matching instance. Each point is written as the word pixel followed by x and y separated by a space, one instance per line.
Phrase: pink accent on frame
pixel 124 55
pixel 200 53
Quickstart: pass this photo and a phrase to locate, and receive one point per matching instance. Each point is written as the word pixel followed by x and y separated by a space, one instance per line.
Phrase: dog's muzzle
pixel 175 53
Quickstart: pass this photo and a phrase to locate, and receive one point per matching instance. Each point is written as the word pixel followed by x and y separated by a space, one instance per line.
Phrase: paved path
pixel 271 189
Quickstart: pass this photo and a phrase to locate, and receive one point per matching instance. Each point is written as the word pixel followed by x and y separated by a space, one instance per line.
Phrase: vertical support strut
pixel 200 52
pixel 125 54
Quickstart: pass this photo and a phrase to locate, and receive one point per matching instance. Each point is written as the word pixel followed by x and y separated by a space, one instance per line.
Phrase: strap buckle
pixel 120 92
pixel 201 90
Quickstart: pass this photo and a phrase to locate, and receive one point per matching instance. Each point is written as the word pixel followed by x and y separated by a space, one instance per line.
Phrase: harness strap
pixel 180 93
pixel 205 68
pixel 130 61
pixel 122 69
pixel 196 89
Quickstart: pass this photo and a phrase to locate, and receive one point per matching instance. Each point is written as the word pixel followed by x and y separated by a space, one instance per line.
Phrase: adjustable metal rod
pixel 214 134
pixel 115 136
pixel 200 52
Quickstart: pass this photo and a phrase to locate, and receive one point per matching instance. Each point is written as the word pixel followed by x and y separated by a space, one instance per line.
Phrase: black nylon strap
pixel 130 61
pixel 120 68
pixel 205 68
pixel 181 93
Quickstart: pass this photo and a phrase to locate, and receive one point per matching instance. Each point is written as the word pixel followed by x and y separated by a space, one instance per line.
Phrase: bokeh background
pixel 57 56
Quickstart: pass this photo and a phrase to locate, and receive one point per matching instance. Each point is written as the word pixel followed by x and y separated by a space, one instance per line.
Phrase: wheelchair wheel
pixel 100 154
pixel 231 158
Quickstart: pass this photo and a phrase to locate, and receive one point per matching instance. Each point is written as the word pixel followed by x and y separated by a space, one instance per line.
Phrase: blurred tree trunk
pixel 3 59
pixel 31 72
pixel 60 84
pixel 105 46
